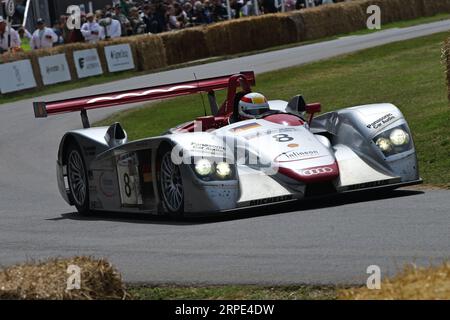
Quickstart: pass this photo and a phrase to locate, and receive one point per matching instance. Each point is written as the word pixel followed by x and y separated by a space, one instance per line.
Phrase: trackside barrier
pixel 153 52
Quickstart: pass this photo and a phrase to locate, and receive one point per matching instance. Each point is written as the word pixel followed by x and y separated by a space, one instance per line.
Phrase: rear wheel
pixel 171 185
pixel 77 178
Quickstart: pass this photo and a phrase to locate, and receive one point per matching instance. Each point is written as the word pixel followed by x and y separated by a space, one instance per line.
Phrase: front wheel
pixel 171 185
pixel 77 178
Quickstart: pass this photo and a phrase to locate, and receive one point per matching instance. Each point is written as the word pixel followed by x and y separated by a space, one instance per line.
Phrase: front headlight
pixel 399 137
pixel 203 167
pixel 384 144
pixel 223 170
pixel 213 170
pixel 394 141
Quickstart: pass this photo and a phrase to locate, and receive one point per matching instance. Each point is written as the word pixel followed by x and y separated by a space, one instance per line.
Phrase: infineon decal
pixel 297 155
pixel 382 121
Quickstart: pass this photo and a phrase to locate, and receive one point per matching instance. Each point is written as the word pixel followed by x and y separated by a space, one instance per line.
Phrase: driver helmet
pixel 252 105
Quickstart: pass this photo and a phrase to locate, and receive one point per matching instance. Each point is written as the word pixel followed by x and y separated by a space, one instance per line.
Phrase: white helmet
pixel 252 105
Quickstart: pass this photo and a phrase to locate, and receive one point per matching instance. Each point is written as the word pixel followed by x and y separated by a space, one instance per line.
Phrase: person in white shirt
pixel 91 30
pixel 5 35
pixel 111 27
pixel 43 37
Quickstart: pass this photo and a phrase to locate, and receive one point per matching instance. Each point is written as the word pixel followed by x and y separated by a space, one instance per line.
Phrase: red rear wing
pixel 43 109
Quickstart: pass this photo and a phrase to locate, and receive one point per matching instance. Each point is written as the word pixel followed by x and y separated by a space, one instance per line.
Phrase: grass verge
pixel 408 74
pixel 234 292
pixel 411 284
pixel 81 83
pixel 98 279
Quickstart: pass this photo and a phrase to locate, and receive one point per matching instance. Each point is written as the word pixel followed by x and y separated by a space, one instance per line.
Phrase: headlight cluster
pixel 394 141
pixel 208 170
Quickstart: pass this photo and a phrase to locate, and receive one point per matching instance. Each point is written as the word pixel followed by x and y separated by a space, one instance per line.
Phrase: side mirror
pixel 115 135
pixel 296 105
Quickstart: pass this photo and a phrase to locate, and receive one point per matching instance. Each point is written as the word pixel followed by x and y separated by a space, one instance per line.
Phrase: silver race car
pixel 225 162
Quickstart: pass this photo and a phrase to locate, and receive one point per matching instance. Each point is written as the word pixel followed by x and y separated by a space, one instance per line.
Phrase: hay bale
pixel 410 9
pixel 185 45
pixel 250 34
pixel 242 39
pixel 48 280
pixel 270 30
pixel 299 24
pixel 329 20
pixel 354 17
pixel 150 52
pixel 411 284
pixel 434 7
pixel 218 38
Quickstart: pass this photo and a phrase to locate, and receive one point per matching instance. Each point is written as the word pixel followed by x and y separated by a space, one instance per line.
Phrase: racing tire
pixel 170 184
pixel 78 179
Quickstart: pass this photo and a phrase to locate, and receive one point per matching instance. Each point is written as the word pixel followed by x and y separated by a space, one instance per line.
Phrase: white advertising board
pixel 87 63
pixel 54 69
pixel 119 57
pixel 16 76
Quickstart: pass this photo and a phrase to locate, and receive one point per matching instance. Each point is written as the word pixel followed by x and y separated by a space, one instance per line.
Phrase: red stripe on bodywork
pixel 313 174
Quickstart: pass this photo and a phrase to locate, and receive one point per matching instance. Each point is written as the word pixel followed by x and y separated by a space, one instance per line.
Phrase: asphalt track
pixel 324 241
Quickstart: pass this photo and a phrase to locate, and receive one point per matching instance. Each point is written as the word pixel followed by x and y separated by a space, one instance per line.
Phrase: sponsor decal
pixel 120 54
pixel 297 155
pixel 268 132
pixel 382 121
pixel 106 185
pixel 90 151
pixel 246 127
pixel 54 69
pixel 316 171
pixel 88 62
pixel 207 147
pixel 270 200
pixel 372 184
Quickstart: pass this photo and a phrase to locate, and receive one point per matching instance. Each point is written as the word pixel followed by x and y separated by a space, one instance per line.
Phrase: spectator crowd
pixel 127 18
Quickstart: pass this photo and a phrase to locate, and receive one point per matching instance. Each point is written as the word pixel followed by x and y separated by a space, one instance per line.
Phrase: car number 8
pixel 282 137
pixel 126 180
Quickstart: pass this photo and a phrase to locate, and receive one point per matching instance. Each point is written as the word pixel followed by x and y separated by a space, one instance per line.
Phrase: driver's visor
pixel 256 111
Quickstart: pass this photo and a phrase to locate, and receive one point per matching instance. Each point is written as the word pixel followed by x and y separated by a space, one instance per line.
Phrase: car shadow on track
pixel 298 206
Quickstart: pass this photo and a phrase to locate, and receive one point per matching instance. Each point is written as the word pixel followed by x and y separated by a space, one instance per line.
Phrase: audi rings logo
pixel 317 171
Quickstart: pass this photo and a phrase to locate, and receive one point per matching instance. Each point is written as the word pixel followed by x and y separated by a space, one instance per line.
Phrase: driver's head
pixel 253 104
